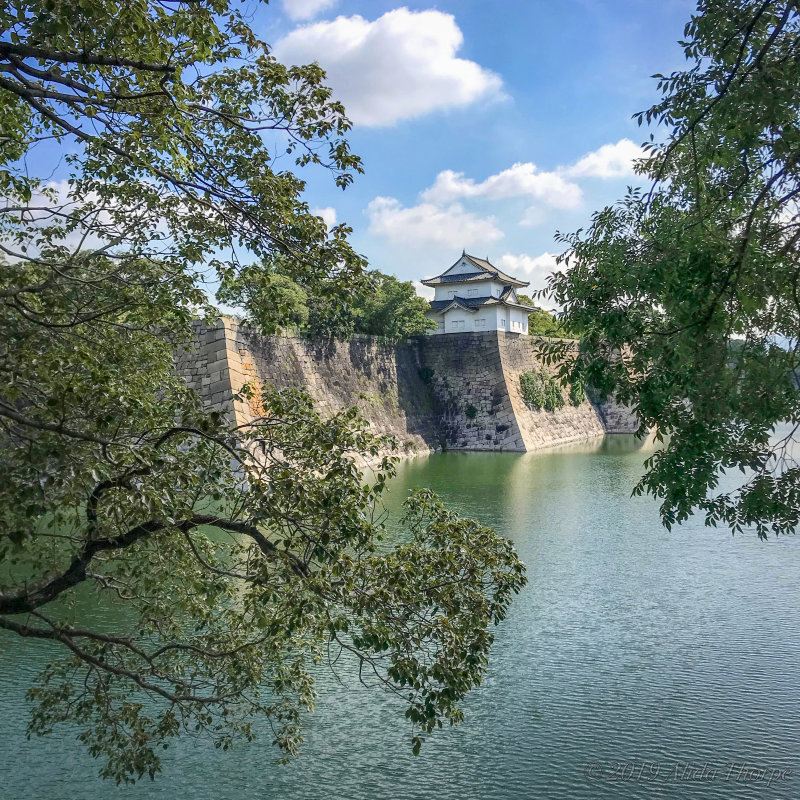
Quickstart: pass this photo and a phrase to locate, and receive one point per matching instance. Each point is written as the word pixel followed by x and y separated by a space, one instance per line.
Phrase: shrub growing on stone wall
pixel 541 390
pixel 471 411
pixel 425 374
pixel 532 387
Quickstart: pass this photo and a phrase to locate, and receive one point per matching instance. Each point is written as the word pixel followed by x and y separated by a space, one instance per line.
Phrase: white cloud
pixel 440 220
pixel 517 181
pixel 426 292
pixel 608 161
pixel 399 66
pixel 306 9
pixel 555 188
pixel 328 214
pixel 532 217
pixel 529 268
pixel 428 224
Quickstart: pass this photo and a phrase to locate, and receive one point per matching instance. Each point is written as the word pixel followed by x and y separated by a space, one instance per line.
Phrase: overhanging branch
pixel 8 49
pixel 50 587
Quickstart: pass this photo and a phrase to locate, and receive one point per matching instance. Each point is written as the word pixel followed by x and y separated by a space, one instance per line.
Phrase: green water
pixel 632 654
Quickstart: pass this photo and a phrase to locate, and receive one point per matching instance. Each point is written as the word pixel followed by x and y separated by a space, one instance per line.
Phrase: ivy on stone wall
pixel 426 374
pixel 541 390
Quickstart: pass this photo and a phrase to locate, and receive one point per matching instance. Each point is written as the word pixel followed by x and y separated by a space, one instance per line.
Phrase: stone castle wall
pixel 539 428
pixel 382 380
pixel 453 391
pixel 465 373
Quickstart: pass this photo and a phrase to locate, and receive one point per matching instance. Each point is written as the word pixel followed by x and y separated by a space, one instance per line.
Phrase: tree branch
pixel 48 588
pixel 7 49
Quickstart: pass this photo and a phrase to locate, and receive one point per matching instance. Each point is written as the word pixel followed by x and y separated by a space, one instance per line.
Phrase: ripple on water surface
pixel 635 663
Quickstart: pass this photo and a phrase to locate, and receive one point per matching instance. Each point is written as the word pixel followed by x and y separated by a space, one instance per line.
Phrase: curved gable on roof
pixel 483 270
pixel 443 306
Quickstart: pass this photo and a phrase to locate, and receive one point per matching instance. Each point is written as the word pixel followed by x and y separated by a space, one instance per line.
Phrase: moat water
pixel 637 663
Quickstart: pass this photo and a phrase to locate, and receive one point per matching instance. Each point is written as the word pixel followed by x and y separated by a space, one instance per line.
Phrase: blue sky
pixel 485 125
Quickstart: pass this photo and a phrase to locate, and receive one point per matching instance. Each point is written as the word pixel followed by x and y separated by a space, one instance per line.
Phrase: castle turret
pixel 474 295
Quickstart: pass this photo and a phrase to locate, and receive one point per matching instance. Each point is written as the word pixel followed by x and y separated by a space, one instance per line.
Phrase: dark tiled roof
pixel 462 278
pixel 484 264
pixel 487 272
pixel 476 302
pixel 469 302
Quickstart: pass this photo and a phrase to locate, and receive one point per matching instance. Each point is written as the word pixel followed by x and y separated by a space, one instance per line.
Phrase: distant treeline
pixel 388 307
pixel 543 323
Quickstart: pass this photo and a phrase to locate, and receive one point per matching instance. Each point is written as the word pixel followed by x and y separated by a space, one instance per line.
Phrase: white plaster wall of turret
pixel 447 291
pixel 484 318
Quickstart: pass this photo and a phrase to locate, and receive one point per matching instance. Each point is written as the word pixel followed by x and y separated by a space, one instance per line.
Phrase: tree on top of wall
pixel 392 309
pixel 383 306
pixel 545 323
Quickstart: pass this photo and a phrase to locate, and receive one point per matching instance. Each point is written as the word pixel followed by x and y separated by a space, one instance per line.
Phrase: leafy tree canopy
pixel 687 294
pixel 543 323
pixel 384 306
pixel 271 300
pixel 239 555
pixel 392 309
